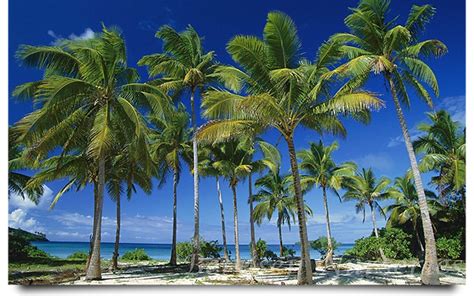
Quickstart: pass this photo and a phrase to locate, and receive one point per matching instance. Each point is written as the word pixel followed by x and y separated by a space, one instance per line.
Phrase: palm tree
pixel 84 105
pixel 271 159
pixel 322 171
pixel 125 172
pixel 184 67
pixel 275 195
pixel 170 144
pixel 206 167
pixel 366 189
pixel 444 151
pixel 17 182
pixel 378 44
pixel 234 163
pixel 282 91
pixel 406 209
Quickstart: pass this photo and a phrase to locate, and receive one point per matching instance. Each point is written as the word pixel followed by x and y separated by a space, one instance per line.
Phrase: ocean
pixel 156 251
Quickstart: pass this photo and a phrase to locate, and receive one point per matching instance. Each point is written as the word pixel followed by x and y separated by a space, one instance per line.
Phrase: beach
pixel 342 274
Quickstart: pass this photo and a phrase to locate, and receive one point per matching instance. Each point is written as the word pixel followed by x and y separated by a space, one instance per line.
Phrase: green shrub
pixel 394 242
pixel 20 249
pixel 261 248
pixel 288 252
pixel 136 255
pixel 184 251
pixel 321 245
pixel 80 255
pixel 449 248
pixel 208 249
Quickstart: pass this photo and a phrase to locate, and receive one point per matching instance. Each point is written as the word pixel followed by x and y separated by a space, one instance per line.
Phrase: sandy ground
pixel 341 274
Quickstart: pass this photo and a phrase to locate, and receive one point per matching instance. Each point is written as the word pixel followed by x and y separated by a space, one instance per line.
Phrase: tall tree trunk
pixel 430 271
pixel 195 255
pixel 221 205
pixel 94 271
pixel 422 249
pixel 175 217
pixel 305 275
pixel 117 236
pixel 280 237
pixel 94 223
pixel 236 231
pixel 328 260
pixel 372 212
pixel 253 246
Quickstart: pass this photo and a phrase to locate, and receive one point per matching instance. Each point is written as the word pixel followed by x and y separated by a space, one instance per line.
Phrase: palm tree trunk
pixel 430 271
pixel 117 236
pixel 94 271
pixel 422 249
pixel 253 246
pixel 328 260
pixel 175 217
pixel 91 238
pixel 195 255
pixel 221 205
pixel 305 275
pixel 280 237
pixel 236 231
pixel 372 212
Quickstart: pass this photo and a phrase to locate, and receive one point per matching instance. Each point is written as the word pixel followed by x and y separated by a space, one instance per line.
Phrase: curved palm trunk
pixel 305 275
pixel 236 231
pixel 280 237
pixel 175 217
pixel 372 212
pixel 253 246
pixel 195 255
pixel 221 205
pixel 430 271
pixel 93 270
pixel 328 260
pixel 115 256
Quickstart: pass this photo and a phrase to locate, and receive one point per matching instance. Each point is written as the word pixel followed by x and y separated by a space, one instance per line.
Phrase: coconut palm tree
pixel 125 172
pixel 170 146
pixel 405 209
pixel 184 67
pixel 83 104
pixel 206 167
pixel 271 160
pixel 443 146
pixel 276 195
pixel 234 163
pixel 282 90
pixel 321 170
pixel 17 181
pixel 375 43
pixel 366 190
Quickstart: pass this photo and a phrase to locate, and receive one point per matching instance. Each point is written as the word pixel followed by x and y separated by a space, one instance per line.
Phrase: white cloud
pixel 87 34
pixel 381 161
pixel 17 201
pixel 19 219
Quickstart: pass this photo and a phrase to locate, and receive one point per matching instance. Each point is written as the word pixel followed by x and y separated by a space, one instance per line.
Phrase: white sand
pixel 344 274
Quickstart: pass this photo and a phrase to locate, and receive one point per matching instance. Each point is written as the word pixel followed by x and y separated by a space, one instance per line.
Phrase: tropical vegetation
pixel 96 123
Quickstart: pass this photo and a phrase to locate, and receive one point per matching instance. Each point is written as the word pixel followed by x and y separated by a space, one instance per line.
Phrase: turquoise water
pixel 156 251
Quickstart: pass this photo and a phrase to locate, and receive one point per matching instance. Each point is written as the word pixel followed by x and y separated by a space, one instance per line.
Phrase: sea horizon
pixel 158 251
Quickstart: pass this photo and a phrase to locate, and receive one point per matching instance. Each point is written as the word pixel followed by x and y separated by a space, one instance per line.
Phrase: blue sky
pixel 148 218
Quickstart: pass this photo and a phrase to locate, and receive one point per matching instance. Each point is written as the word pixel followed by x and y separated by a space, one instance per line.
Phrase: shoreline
pixel 214 273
